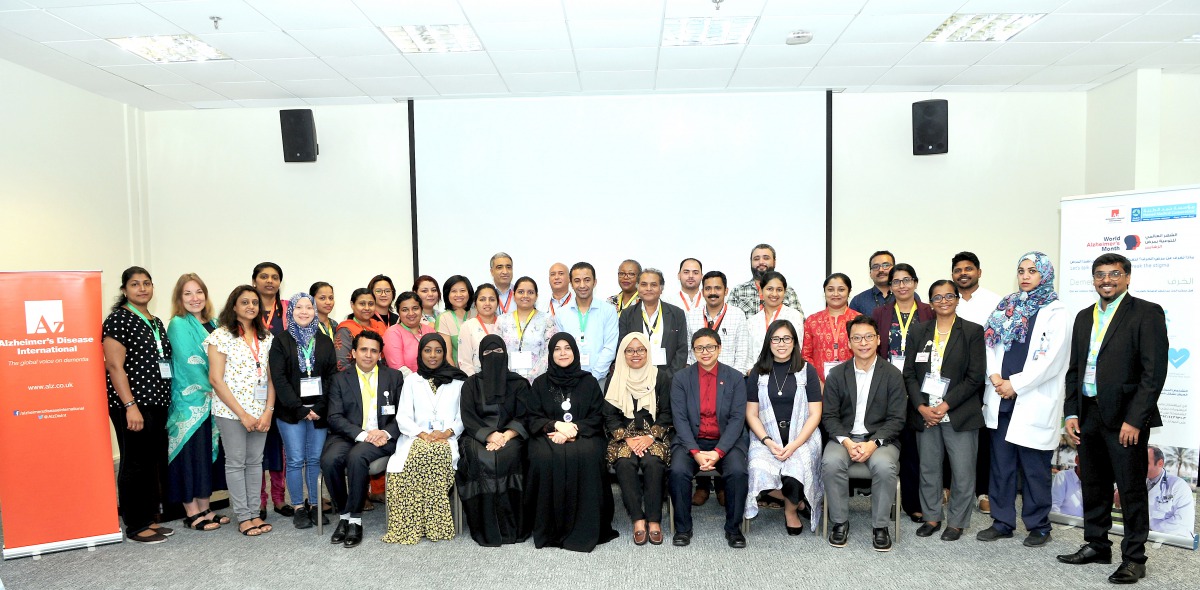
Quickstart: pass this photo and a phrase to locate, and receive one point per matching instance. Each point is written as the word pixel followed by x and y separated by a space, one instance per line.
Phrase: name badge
pixel 164 368
pixel 1089 376
pixel 935 385
pixel 829 365
pixel 898 361
pixel 521 360
pixel 922 357
pixel 388 410
pixel 437 425
pixel 260 392
pixel 585 360
pixel 658 355
pixel 310 391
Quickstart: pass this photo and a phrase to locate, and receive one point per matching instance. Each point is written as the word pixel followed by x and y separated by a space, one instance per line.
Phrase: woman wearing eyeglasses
pixel 384 291
pixel 943 373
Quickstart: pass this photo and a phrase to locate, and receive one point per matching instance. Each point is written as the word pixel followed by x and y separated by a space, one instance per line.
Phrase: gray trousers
pixel 243 466
pixel 962 448
pixel 884 464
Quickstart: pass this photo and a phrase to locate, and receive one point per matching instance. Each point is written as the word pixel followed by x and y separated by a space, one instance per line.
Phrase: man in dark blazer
pixel 1116 373
pixel 864 412
pixel 708 407
pixel 362 428
pixel 663 323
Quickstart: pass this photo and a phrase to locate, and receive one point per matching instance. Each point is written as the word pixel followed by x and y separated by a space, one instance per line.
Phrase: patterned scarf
pixel 303 335
pixel 1010 322
pixel 629 389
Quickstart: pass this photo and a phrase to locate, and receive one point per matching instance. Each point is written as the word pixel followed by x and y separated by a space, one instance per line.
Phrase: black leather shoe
pixel 951 534
pixel 354 536
pixel 682 539
pixel 1036 539
pixel 1128 573
pixel 339 533
pixel 312 516
pixel 881 540
pixel 736 540
pixel 301 519
pixel 839 534
pixel 992 533
pixel 1087 554
pixel 285 510
pixel 926 530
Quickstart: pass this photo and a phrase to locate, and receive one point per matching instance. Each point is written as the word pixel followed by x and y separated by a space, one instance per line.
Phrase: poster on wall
pixel 54 425
pixel 1159 232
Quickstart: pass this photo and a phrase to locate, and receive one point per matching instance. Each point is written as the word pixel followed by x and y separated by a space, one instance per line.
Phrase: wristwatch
pixel 880 442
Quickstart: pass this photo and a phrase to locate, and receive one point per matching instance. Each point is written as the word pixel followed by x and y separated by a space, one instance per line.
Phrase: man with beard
pixel 748 295
pixel 627 277
pixel 737 351
pixel 880 264
pixel 690 271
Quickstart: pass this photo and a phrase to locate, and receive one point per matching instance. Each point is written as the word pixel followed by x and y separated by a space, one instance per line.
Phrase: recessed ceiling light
pixel 707 30
pixel 982 27
pixel 433 38
pixel 1193 39
pixel 164 49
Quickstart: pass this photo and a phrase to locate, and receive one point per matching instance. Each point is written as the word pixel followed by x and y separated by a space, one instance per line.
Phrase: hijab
pixel 493 372
pixel 629 389
pixel 303 335
pixel 443 373
pixel 1010 322
pixel 565 378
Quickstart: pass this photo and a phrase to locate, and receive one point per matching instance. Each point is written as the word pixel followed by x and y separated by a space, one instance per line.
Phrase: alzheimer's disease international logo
pixel 44 317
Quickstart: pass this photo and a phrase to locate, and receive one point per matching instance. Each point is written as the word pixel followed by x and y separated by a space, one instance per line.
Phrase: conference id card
pixel 922 357
pixel 388 410
pixel 437 425
pixel 829 365
pixel 164 368
pixel 1089 375
pixel 310 391
pixel 585 360
pixel 260 392
pixel 522 360
pixel 898 361
pixel 658 355
pixel 936 386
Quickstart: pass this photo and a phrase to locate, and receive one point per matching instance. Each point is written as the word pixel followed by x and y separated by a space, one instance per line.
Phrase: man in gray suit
pixel 864 412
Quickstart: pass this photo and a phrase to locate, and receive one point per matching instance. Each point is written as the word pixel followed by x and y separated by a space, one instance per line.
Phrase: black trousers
pixel 346 466
pixel 642 493
pixel 143 473
pixel 733 472
pixel 1102 462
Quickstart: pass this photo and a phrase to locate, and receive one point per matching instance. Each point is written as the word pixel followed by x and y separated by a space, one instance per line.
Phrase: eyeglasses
pixel 384 291
pixel 863 338
pixel 635 352
pixel 705 348
pixel 626 274
pixel 882 266
pixel 781 340
pixel 948 297
pixel 904 282
pixel 1100 275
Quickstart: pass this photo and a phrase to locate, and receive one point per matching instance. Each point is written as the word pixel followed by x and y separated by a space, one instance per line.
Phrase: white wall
pixel 996 193
pixel 1179 156
pixel 223 199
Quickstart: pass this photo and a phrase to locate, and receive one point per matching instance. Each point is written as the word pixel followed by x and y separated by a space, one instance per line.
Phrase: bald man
pixel 560 292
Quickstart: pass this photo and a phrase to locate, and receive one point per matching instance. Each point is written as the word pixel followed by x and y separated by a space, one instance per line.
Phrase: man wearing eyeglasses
pixel 1116 373
pixel 865 410
pixel 879 293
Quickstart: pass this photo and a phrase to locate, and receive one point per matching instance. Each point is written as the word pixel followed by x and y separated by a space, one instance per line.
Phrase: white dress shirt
pixel 981 305
pixel 862 384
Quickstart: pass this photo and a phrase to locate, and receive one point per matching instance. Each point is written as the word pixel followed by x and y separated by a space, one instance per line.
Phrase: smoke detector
pixel 799 37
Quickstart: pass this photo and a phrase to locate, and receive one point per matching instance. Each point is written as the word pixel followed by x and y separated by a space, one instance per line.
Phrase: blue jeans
pixel 302 443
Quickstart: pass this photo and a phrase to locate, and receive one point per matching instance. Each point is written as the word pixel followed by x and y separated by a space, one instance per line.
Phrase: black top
pixel 782 402
pixel 141 359
pixel 544 407
pixel 1014 360
pixel 286 375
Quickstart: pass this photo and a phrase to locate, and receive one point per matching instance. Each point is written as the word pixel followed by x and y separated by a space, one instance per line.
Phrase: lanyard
pixel 326 330
pixel 482 325
pixel 657 320
pixel 520 328
pixel 270 317
pixel 837 334
pixel 507 301
pixel 583 319
pixel 257 351
pixel 714 326
pixel 939 346
pixel 622 305
pixel 1100 328
pixel 760 297
pixel 767 321
pixel 688 305
pixel 457 322
pixel 563 304
pixel 308 355
pixel 153 328
pixel 904 325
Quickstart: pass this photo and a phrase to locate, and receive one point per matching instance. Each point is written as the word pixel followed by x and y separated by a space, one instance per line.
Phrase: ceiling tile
pixel 42 26
pixel 865 54
pixel 919 75
pixel 452 64
pixel 320 88
pixel 684 8
pixel 943 7
pixel 340 100
pixel 1159 27
pixel 1101 53
pixel 118 20
pixel 146 74
pixel 1009 6
pixel 976 88
pixel 186 92
pixel 401 86
pixel 613 9
pixel 1030 54
pixel 948 54
pixel 678 79
pixel 901 88
pixel 248 90
pixel 345 42
pixel 807 7
pixel 843 76
pixel 486 84
pixel 615 33
pixel 1042 88
pixel 58 3
pixel 509 36
pixel 257 45
pixel 272 103
pixel 768 77
pixel 491 11
pixel 303 68
pixel 775 30
pixel 1106 6
pixel 389 13
pixel 325 14
pixel 213 71
pixel 97 52
pixel 531 62
pixel 1071 27
pixel 1114 75
pixel 895 28
pixel 1175 54
pixel 214 104
pixel 782 56
pixel 623 81
pixel 994 75
pixel 14 5
pixel 236 16
pixel 1068 74
pixel 699 58
pixel 616 59
pixel 374 66
pixel 1178 7
pixel 550 82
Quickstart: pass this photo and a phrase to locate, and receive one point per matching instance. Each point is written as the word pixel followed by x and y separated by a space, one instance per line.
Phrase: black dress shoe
pixel 285 510
pixel 736 540
pixel 1036 539
pixel 682 539
pixel 927 530
pixel 312 516
pixel 354 536
pixel 1128 573
pixel 839 534
pixel 951 534
pixel 881 539
pixel 1087 554
pixel 992 533
pixel 339 533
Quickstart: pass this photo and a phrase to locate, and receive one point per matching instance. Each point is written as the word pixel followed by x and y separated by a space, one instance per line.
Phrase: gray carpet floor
pixel 290 558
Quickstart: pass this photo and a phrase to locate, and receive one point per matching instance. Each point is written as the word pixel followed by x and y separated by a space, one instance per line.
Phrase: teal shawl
pixel 191 402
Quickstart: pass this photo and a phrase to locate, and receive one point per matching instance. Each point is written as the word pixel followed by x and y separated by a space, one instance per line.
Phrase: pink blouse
pixel 400 346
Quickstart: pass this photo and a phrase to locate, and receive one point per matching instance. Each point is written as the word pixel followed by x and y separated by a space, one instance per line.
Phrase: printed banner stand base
pixel 89 543
pixel 1192 542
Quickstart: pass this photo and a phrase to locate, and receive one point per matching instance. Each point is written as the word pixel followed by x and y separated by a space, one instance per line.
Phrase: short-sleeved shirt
pixel 241 372
pixel 141 359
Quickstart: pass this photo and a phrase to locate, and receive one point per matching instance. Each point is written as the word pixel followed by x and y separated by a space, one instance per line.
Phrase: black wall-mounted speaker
pixel 930 129
pixel 299 135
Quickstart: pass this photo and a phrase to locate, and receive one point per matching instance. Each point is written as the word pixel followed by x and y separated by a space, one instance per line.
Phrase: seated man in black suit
pixel 865 405
pixel 362 428
pixel 708 405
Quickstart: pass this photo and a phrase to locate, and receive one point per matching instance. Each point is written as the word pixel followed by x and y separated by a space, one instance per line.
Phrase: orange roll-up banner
pixel 57 490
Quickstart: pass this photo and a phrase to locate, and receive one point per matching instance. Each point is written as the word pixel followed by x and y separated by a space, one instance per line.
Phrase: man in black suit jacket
pixel 1116 373
pixel 864 412
pixel 663 323
pixel 362 428
pixel 708 406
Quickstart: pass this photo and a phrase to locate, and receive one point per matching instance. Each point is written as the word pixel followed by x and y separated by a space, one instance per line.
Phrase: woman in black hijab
pixel 490 472
pixel 567 502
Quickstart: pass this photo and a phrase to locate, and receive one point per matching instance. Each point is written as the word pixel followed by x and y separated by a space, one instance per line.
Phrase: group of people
pixel 531 413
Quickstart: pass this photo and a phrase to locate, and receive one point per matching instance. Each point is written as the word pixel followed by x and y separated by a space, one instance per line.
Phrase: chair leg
pixel 320 505
pixel 824 519
pixel 456 510
pixel 671 513
pixel 745 526
pixel 896 537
